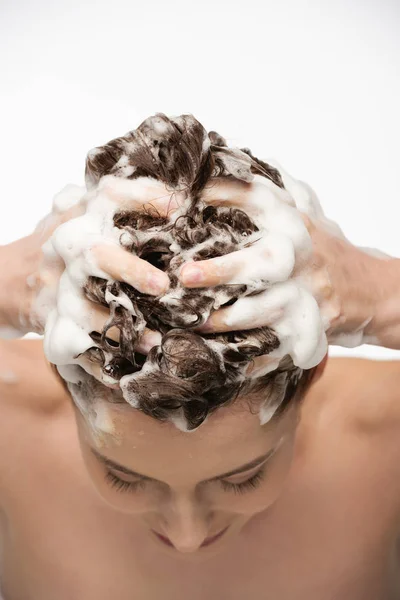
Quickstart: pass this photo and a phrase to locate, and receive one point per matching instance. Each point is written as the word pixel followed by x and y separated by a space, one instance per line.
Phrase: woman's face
pixel 191 490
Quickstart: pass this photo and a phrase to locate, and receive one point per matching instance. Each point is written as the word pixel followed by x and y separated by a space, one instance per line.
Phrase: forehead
pixel 229 438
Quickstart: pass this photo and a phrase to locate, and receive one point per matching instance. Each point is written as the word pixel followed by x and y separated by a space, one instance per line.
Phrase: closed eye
pixel 247 485
pixel 238 482
pixel 239 488
pixel 124 486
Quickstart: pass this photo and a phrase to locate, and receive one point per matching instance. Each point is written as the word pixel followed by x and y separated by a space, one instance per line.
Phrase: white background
pixel 315 84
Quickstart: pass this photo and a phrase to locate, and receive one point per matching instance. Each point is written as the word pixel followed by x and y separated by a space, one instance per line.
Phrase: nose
pixel 186 524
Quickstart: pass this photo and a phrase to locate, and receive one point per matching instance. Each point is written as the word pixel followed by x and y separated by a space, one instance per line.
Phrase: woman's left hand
pixel 309 265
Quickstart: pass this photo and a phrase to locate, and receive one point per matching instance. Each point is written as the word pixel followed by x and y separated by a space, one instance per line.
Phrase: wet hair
pixel 189 375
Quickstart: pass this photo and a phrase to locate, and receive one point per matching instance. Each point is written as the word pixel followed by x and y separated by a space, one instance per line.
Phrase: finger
pixel 293 314
pixel 98 317
pixel 140 193
pixel 261 310
pixel 271 259
pixel 249 312
pixel 148 339
pixel 212 272
pixel 232 193
pixel 244 195
pixel 123 266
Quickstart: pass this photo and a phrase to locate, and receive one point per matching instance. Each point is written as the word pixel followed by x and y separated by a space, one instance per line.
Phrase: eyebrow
pixel 250 465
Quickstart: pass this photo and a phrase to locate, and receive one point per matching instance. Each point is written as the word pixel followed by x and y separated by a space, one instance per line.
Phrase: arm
pixel 385 326
pixel 26 271
pixel 18 262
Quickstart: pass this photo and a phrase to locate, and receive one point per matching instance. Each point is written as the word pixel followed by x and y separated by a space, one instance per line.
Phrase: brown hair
pixel 188 374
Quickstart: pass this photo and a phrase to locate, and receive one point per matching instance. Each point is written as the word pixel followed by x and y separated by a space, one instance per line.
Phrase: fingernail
pixel 192 274
pixel 158 283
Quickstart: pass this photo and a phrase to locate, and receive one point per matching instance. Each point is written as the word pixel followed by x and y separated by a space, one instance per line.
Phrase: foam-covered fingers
pixel 46 227
pixel 248 312
pixel 289 310
pixel 140 193
pixel 212 272
pixel 301 330
pixel 98 317
pixel 308 222
pixel 250 197
pixel 123 266
pixel 269 260
pixel 221 191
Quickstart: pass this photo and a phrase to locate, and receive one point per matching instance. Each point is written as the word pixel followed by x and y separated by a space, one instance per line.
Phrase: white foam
pixel 284 245
pixel 306 200
pixel 282 248
pixel 68 326
pixel 70 373
pixel 268 260
pixel 67 197
pixel 178 419
pixel 275 397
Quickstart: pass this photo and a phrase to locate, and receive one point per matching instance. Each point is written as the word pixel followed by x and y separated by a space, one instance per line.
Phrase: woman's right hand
pixel 32 266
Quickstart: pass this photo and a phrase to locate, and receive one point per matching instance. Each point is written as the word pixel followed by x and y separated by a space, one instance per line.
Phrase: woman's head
pixel 188 375
pixel 186 414
pixel 188 487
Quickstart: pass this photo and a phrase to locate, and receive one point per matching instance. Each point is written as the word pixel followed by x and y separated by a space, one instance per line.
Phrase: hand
pixel 33 266
pixel 25 272
pixel 308 263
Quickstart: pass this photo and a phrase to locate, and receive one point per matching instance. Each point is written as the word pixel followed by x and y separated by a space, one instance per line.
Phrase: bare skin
pixel 332 533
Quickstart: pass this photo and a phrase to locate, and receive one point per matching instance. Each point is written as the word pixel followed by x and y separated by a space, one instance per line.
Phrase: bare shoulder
pixel 26 378
pixel 33 405
pixel 364 394
pixel 353 414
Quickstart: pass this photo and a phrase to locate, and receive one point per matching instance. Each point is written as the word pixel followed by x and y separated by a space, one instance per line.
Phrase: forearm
pixel 384 328
pixel 17 261
pixel 360 291
pixel 4 289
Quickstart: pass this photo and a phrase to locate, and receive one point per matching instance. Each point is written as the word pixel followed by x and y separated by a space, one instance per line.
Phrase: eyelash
pixel 124 486
pixel 245 486
pixel 237 488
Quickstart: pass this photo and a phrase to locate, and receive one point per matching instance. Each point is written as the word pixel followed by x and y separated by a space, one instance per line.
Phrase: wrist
pixel 363 282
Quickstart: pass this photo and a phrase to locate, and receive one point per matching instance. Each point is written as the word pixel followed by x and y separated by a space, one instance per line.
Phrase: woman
pixel 182 468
